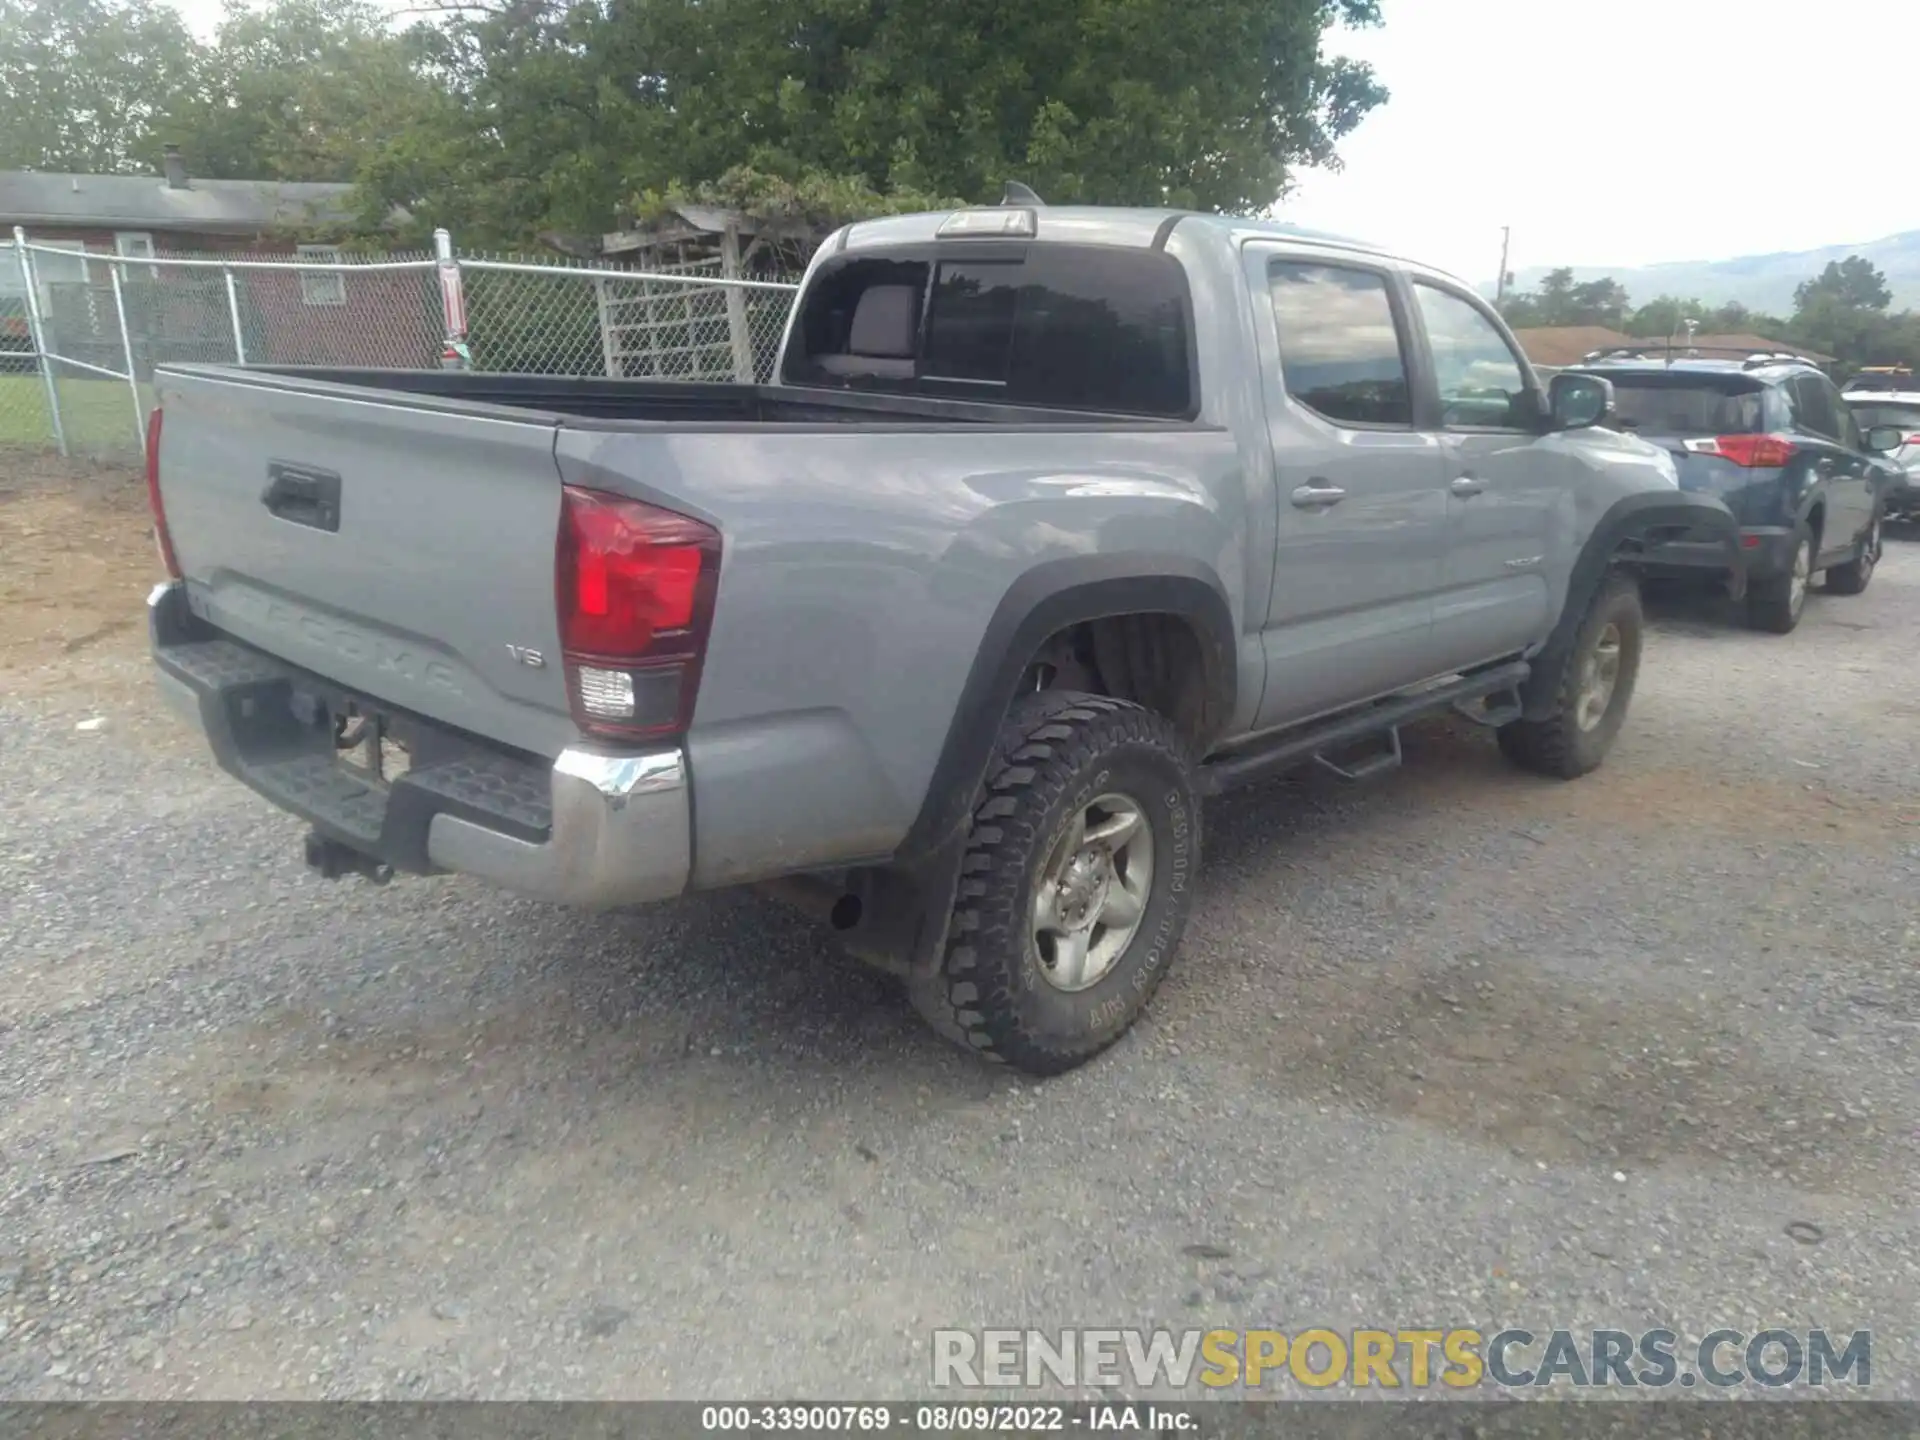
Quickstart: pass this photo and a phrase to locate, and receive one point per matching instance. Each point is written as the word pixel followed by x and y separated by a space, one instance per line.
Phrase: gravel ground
pixel 1456 1048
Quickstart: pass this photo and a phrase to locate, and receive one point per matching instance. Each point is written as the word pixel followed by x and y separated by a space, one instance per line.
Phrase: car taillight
pixel 1911 440
pixel 161 539
pixel 1752 452
pixel 635 587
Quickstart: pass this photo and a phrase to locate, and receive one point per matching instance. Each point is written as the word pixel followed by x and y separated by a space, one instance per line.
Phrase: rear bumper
pixel 1768 550
pixel 1764 553
pixel 1703 553
pixel 593 828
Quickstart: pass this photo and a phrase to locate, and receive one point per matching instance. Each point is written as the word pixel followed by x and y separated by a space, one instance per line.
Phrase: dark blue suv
pixel 1770 436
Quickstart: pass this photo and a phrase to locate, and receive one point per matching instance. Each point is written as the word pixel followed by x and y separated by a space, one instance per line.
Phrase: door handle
pixel 1465 486
pixel 1317 492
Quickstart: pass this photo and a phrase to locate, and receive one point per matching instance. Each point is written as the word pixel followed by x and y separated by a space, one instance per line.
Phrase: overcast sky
pixel 1613 134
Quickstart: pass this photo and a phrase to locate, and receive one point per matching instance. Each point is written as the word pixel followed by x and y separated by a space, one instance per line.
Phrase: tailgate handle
pixel 303 496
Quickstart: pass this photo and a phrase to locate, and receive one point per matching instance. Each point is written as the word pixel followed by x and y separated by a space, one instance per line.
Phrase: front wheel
pixel 1596 685
pixel 1076 885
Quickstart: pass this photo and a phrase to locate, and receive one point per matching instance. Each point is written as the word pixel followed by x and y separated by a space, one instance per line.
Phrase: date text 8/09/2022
pixel 1147 1419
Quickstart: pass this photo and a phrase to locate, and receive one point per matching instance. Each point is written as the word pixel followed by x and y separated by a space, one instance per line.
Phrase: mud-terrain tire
pixel 1575 739
pixel 1776 604
pixel 1853 577
pixel 1005 987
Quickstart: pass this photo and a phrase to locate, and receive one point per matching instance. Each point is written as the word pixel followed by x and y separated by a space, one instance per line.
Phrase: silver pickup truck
pixel 1056 522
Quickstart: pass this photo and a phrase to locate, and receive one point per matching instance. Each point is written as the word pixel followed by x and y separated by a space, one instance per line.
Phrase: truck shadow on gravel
pixel 1674 607
pixel 1559 1052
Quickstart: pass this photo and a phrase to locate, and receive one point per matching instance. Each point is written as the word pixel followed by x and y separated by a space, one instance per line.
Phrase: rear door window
pixel 1849 427
pixel 1341 350
pixel 1676 407
pixel 1813 405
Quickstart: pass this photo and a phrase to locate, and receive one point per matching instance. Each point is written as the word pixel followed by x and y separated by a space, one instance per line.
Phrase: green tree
pixel 1734 318
pixel 300 90
pixel 1555 299
pixel 576 110
pixel 1561 301
pixel 83 83
pixel 1663 316
pixel 1852 282
pixel 1598 302
pixel 1843 311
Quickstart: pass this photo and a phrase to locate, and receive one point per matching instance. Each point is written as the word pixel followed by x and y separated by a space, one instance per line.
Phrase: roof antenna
pixel 1018 194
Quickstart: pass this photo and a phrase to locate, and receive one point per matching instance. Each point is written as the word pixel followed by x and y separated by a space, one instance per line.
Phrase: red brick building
pixel 350 316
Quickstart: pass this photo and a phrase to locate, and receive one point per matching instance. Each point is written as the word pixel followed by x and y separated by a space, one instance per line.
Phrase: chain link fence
pixel 81 333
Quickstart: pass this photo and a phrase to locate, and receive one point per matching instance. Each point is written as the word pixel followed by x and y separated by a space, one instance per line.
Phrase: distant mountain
pixel 1759 282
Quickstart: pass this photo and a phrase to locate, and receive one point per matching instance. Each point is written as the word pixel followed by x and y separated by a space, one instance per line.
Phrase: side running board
pixel 1488 697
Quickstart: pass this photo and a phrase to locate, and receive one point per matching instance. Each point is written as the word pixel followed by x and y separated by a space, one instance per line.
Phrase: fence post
pixel 454 354
pixel 737 330
pixel 233 310
pixel 126 346
pixel 609 348
pixel 37 336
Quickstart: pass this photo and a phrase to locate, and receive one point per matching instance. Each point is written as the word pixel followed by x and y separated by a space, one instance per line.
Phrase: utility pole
pixel 1500 285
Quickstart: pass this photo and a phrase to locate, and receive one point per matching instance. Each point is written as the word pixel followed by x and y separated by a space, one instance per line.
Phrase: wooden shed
pixel 666 324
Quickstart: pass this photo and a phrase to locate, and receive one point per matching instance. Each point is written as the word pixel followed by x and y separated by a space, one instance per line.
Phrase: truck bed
pixel 672 402
pixel 392 535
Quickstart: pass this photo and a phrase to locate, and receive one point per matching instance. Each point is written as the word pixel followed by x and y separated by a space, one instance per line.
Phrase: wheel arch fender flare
pixel 1612 545
pixel 1049 598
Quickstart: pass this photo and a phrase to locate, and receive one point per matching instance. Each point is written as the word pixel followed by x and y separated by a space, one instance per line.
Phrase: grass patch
pixel 97 414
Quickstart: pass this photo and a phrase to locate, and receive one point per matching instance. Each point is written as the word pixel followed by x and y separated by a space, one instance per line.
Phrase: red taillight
pixel 635 587
pixel 1755 452
pixel 1911 440
pixel 161 539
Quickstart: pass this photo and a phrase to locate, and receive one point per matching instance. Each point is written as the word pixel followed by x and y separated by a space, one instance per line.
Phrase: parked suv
pixel 1769 435
pixel 1887 398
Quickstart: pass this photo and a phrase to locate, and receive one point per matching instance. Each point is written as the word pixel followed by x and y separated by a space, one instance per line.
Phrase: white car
pixel 1889 395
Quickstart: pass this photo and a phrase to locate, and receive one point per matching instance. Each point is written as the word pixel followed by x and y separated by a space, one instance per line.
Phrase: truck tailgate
pixel 401 549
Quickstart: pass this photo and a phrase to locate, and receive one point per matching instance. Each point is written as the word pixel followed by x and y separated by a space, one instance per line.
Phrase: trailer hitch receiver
pixel 334 860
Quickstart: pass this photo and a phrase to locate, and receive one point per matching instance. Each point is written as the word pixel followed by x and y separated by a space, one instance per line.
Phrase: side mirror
pixel 1578 402
pixel 1885 439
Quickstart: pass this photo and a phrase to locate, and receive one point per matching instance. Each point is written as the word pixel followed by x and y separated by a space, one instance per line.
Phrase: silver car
pixel 1882 399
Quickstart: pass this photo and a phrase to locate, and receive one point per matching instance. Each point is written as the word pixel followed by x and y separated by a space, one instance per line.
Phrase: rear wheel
pixel 1854 576
pixel 1075 888
pixel 1777 603
pixel 1596 686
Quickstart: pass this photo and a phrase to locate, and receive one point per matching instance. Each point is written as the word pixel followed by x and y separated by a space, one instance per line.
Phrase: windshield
pixel 1906 417
pixel 1682 408
pixel 1882 380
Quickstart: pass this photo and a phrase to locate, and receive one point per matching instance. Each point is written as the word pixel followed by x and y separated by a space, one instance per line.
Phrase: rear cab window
pixel 1097 328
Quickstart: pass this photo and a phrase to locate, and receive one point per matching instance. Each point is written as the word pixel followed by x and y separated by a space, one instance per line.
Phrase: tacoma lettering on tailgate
pixel 352 643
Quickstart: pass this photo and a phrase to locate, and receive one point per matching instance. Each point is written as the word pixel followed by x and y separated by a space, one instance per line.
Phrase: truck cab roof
pixel 1144 228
